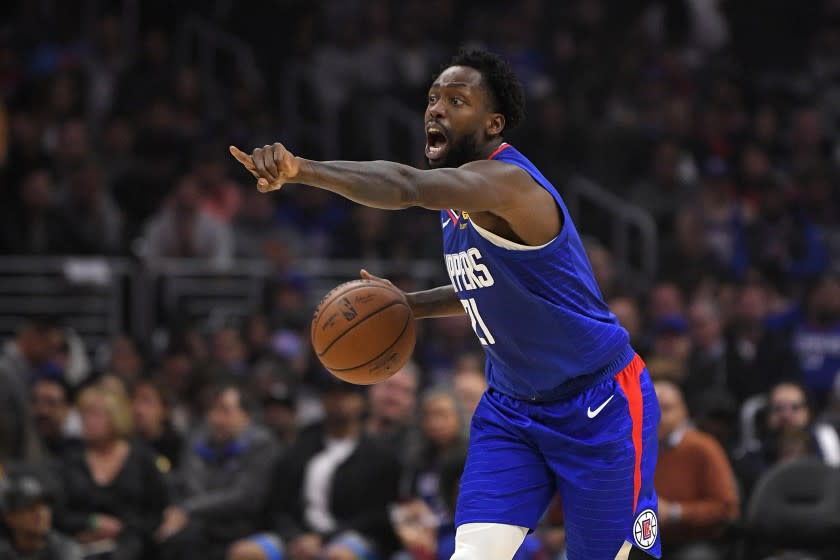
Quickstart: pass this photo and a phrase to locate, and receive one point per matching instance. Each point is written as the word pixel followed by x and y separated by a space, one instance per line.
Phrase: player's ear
pixel 495 124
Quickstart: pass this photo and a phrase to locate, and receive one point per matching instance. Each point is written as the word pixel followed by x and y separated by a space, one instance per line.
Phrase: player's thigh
pixel 487 541
pixel 605 476
pixel 506 479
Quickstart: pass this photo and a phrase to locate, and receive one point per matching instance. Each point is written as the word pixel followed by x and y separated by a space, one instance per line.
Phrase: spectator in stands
pixel 694 481
pixel 26 506
pixel 222 481
pixel 151 409
pixel 626 310
pixel 392 410
pixel 816 338
pixel 230 355
pixel 113 492
pixel 331 491
pixel 789 431
pixel 24 359
pixel 51 405
pixel 756 357
pixel 665 301
pixel 125 360
pixel 38 226
pixel 724 218
pixel 183 229
pixel 256 335
pixel 670 348
pixel 469 382
pixel 91 212
pixel 669 187
pixel 444 431
pixel 424 537
pixel 782 236
pixel 687 258
pixel 707 361
pixel 279 410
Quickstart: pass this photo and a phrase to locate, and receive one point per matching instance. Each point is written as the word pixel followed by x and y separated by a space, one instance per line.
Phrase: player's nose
pixel 436 110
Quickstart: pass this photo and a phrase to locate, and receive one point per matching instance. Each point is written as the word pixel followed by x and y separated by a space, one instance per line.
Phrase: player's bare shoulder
pixel 532 213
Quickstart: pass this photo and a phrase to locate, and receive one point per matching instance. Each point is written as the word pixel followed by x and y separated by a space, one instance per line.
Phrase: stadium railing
pixel 102 297
pixel 631 236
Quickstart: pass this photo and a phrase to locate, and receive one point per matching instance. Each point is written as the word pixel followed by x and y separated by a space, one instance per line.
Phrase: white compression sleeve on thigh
pixel 487 541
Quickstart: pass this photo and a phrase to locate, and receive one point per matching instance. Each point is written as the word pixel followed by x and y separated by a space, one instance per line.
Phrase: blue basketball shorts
pixel 597 449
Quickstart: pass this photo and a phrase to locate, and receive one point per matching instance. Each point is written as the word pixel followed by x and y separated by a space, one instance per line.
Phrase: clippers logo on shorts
pixel 645 529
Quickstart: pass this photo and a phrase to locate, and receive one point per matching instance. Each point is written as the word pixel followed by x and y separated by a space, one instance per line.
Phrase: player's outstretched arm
pixel 477 186
pixel 437 302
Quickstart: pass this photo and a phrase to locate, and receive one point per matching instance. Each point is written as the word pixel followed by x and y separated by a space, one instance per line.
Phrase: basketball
pixel 363 331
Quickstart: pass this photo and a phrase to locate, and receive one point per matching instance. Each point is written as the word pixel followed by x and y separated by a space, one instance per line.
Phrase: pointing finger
pixel 244 159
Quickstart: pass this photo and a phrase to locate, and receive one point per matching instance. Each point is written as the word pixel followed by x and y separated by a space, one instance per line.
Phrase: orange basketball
pixel 363 331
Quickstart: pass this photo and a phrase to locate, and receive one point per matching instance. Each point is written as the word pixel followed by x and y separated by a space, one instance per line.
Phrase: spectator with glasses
pixel 789 432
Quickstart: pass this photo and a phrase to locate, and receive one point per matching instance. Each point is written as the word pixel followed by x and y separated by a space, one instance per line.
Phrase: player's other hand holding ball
pixel 273 166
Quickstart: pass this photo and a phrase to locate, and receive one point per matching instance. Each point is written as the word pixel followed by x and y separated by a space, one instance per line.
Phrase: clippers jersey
pixel 537 311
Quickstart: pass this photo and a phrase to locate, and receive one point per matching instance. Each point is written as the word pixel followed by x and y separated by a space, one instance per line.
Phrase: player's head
pixel 471 103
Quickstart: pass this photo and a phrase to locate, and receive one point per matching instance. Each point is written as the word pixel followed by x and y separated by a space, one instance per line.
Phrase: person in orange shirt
pixel 694 481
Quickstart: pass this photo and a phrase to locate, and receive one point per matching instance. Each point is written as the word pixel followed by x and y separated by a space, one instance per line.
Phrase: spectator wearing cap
pixel 694 481
pixel 113 492
pixel 50 403
pixel 151 410
pixel 331 491
pixel 670 347
pixel 27 533
pixel 279 410
pixel 789 431
pixel 220 486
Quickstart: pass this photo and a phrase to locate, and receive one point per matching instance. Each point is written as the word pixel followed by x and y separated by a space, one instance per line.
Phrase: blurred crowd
pixel 720 118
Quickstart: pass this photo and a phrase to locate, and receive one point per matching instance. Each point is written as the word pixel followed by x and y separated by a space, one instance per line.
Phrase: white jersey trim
pixel 500 241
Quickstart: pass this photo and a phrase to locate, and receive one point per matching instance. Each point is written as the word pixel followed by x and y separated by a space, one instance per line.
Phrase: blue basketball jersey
pixel 537 312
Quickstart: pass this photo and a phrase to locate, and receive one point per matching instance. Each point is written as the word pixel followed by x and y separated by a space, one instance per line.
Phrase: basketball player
pixel 570 406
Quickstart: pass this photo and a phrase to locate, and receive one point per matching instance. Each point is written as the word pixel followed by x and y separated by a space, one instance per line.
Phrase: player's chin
pixel 436 159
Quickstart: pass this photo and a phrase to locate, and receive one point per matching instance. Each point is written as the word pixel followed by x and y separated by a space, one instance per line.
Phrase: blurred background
pixel 158 393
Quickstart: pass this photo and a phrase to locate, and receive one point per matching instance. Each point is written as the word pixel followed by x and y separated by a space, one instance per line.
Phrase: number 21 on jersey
pixel 482 332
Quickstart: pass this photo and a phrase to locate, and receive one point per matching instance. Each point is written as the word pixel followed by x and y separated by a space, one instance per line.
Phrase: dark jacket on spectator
pixel 365 484
pixel 57 547
pixel 225 488
pixel 137 497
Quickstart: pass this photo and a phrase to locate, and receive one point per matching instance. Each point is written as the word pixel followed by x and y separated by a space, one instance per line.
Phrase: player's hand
pixel 409 298
pixel 368 276
pixel 273 166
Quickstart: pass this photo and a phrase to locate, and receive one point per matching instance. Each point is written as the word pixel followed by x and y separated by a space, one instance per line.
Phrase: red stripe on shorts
pixel 628 380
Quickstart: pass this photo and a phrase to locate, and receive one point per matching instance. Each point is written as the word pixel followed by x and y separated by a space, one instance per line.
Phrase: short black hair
pixel 499 79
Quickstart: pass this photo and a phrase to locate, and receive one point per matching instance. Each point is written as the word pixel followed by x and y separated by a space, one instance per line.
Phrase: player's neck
pixel 486 151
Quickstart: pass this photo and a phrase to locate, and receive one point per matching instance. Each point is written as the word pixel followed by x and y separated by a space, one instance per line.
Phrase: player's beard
pixel 459 152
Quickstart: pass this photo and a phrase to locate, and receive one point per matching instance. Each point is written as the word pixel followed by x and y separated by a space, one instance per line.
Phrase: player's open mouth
pixel 436 142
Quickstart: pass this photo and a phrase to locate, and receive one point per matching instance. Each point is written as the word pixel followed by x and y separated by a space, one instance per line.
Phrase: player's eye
pixel 457 101
pixel 432 99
